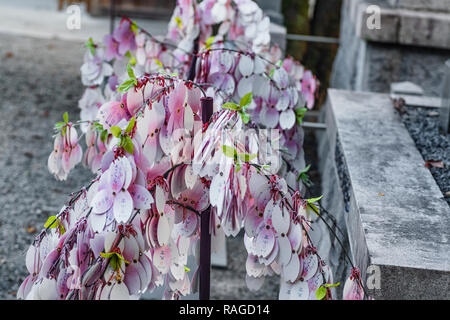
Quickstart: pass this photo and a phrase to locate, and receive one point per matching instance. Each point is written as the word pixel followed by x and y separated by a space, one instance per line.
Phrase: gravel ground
pixel 40 80
pixel 423 126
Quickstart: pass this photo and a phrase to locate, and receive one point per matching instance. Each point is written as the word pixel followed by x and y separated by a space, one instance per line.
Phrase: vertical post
pixel 112 15
pixel 205 236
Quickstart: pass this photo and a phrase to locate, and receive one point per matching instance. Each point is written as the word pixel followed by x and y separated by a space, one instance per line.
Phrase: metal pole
pixel 112 15
pixel 205 236
pixel 307 38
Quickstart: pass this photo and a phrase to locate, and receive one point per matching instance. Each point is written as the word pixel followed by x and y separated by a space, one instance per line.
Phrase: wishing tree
pixel 193 135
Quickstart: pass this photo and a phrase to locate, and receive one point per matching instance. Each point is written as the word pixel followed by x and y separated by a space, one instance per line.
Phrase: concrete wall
pixel 412 44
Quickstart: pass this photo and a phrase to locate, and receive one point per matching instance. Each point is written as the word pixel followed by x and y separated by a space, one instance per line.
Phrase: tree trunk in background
pixel 319 57
pixel 296 21
pixel 325 22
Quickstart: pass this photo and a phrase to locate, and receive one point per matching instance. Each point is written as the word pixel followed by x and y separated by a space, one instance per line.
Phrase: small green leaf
pixel 134 28
pixel 208 42
pixel 179 22
pixel 124 87
pixel 300 111
pixel 51 222
pixel 104 135
pixel 271 73
pixel 231 106
pixel 313 208
pixel 91 46
pixel 230 152
pixel 115 262
pixel 321 293
pixel 133 61
pixel 130 125
pixel 115 131
pixel 332 285
pixel 115 259
pixel 159 63
pixel 247 157
pixel 238 167
pixel 66 117
pixel 127 144
pixel 130 71
pixel 186 269
pixel 245 117
pixel 246 100
pixel 312 200
pixel 107 255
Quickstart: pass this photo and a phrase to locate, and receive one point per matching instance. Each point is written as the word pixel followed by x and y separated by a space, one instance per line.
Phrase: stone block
pixel 427 5
pixel 397 219
pixel 402 25
pixel 424 29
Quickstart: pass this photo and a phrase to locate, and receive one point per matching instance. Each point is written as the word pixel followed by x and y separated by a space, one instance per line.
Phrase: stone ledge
pixel 429 5
pixel 405 27
pixel 398 219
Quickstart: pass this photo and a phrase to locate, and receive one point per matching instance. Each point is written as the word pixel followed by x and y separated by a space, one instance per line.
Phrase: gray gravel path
pixel 423 126
pixel 39 81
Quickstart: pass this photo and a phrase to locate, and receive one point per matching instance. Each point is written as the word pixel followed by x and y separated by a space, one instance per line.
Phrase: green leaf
pixel 115 131
pixel 115 262
pixel 133 61
pixel 312 200
pixel 271 73
pixel 134 28
pixel 107 255
pixel 104 135
pixel 91 46
pixel 124 87
pixel 313 208
pixel 245 117
pixel 127 144
pixel 247 157
pixel 51 222
pixel 304 177
pixel 115 259
pixel 159 63
pixel 246 100
pixel 321 293
pixel 238 167
pixel 208 42
pixel 230 152
pixel 300 111
pixel 130 72
pixel 300 114
pixel 306 169
pixel 231 106
pixel 66 117
pixel 186 269
pixel 179 22
pixel 130 125
pixel 332 285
